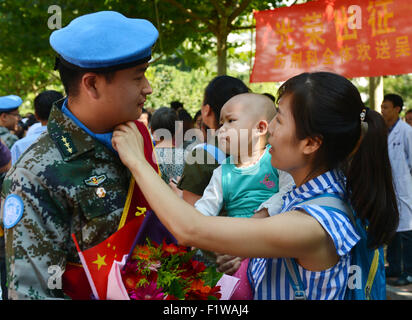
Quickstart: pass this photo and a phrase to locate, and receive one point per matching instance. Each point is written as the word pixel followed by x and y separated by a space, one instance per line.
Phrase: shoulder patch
pixel 66 145
pixel 13 210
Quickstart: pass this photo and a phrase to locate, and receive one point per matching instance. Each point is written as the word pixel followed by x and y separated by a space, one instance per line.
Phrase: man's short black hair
pixel 71 78
pixel 44 102
pixel 164 118
pixel 396 100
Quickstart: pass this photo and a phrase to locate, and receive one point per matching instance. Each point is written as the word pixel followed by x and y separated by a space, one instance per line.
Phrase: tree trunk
pixel 375 93
pixel 221 54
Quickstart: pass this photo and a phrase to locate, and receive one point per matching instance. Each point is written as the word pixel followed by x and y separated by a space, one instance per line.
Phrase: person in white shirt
pixel 42 106
pixel 399 251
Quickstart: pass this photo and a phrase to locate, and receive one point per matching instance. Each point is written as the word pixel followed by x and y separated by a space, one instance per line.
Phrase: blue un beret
pixel 105 39
pixel 10 103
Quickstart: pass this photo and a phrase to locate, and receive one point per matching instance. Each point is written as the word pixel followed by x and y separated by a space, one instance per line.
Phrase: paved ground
pixel 398 293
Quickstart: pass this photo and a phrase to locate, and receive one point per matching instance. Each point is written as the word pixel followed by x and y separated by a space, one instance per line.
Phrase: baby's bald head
pixel 257 106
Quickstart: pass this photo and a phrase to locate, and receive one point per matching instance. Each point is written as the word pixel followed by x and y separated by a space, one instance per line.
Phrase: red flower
pixel 200 292
pixel 130 283
pixel 198 266
pixel 169 249
pixel 192 268
pixel 152 264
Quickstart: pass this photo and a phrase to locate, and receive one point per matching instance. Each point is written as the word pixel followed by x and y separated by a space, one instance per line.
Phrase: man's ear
pixel 90 84
pixel 311 144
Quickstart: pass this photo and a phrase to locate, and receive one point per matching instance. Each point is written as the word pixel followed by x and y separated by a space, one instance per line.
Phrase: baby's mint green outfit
pixel 245 189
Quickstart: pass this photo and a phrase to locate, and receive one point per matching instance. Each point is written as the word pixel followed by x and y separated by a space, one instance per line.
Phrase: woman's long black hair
pixel 328 106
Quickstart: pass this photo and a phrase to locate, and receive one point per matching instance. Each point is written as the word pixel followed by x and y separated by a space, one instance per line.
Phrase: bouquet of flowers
pixel 168 272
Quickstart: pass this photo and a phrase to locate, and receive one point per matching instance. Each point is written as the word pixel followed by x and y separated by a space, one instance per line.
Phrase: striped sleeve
pixel 336 224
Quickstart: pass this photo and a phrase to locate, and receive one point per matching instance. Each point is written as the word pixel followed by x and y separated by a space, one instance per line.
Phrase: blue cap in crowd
pixel 10 103
pixel 103 40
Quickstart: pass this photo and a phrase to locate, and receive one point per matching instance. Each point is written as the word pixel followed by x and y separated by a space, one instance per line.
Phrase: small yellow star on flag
pixel 100 261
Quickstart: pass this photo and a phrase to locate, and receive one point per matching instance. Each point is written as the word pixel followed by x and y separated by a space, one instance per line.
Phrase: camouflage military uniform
pixel 52 178
pixel 8 138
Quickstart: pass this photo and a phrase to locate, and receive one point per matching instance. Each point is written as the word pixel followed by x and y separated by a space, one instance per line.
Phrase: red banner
pixel 355 38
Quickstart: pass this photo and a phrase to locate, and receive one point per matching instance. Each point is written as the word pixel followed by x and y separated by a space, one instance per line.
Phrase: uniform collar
pixel 71 139
pixel 104 138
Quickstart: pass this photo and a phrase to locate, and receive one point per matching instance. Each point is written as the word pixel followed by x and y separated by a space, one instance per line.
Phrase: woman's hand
pixel 128 142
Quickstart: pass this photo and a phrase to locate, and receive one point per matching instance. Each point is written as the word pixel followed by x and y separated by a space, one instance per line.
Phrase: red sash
pixel 75 282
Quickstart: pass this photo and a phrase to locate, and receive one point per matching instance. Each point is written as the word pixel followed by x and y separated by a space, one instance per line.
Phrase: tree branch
pixel 157 59
pixel 244 27
pixel 238 11
pixel 191 14
pixel 218 7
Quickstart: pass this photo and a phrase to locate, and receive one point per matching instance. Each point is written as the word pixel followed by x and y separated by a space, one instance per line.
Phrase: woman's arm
pixel 291 234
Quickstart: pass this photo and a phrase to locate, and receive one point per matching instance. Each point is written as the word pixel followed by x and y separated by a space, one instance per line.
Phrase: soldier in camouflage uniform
pixel 71 180
pixel 7 137
pixel 9 118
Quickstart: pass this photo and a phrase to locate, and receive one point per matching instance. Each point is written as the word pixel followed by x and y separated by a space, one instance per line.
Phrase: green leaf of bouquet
pixel 211 276
pixel 176 289
pixel 189 255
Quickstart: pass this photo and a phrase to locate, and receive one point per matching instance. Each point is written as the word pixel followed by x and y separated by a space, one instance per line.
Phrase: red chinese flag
pixel 97 261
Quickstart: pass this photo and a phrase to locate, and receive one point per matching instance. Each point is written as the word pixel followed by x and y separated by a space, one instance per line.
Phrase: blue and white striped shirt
pixel 268 276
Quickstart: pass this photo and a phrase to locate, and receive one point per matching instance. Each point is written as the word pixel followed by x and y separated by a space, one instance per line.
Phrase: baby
pixel 246 179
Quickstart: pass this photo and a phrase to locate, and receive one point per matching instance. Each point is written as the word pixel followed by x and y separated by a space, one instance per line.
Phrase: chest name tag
pixel 13 210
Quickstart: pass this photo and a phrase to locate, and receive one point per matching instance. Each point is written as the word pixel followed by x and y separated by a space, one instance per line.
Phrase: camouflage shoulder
pixel 9 139
pixel 39 154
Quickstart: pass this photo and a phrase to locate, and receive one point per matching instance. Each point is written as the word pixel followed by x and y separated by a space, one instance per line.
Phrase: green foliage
pixel 185 54
pixel 401 85
pixel 170 84
pixel 188 29
pixel 211 277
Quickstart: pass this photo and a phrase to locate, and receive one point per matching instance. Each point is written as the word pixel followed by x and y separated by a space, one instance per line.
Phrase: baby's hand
pixel 128 142
pixel 228 264
pixel 173 185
